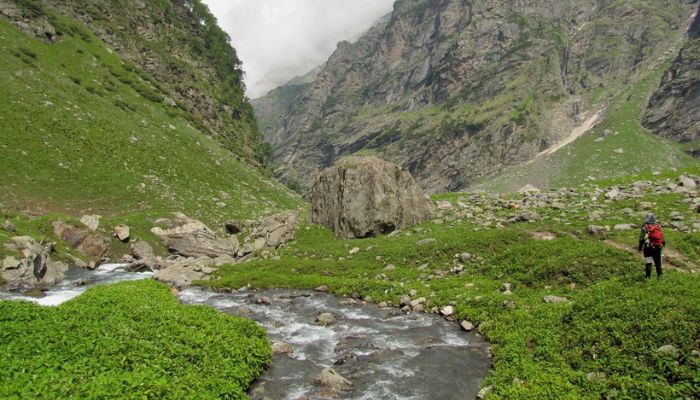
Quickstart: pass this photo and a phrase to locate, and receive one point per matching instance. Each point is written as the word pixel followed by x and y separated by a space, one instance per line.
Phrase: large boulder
pixel 365 196
pixel 191 238
pixel 92 245
pixel 182 272
pixel 34 267
pixel 271 232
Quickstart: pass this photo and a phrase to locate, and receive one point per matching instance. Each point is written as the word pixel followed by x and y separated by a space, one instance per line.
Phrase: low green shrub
pixel 132 340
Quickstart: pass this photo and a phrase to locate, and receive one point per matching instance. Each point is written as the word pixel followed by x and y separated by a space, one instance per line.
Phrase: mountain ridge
pixel 454 90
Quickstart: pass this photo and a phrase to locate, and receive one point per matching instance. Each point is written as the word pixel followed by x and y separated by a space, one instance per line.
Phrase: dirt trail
pixel 674 259
pixel 575 133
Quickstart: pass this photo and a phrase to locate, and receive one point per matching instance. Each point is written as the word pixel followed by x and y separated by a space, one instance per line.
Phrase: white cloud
pixel 280 39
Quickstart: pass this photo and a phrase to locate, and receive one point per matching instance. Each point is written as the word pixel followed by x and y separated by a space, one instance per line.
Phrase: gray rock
pixel 595 229
pixel 525 216
pixel 34 269
pixel 484 392
pixel 91 221
pixel 142 250
pixel 322 288
pixel 405 301
pixel 595 215
pixel 331 379
pixel 325 319
pixel 122 233
pixel 613 194
pixel 236 226
pixel 667 349
pixel 467 326
pixel 687 182
pixel 191 238
pixel 91 245
pixel 447 311
pixel 8 226
pixel 182 272
pixel 556 299
pixel 423 242
pixel 282 348
pixel 644 206
pixel 365 196
pixel 271 232
pixel 624 227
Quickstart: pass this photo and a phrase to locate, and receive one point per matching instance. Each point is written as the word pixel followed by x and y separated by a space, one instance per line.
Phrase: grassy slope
pixel 584 158
pixel 131 340
pixel 84 132
pixel 541 351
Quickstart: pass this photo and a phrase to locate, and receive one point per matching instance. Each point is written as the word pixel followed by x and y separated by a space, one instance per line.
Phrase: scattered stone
pixel 444 205
pixel 556 299
pixel 390 267
pixel 224 260
pixel 423 242
pixel 624 227
pixel 464 257
pixel 667 350
pixel 687 182
pixel 236 226
pixel 595 215
pixel 354 250
pixel 365 196
pixel 142 250
pixel 418 302
pixel 91 221
pixel 595 229
pixel 413 292
pixel 34 269
pixel 322 288
pixel 613 194
pixel 596 376
pixel 262 300
pixel 325 319
pixel 405 301
pixel 9 227
pixel 282 348
pixel 447 311
pixel 191 238
pixel 180 273
pixel 484 392
pixel 467 326
pixel 271 232
pixel 330 378
pixel 525 216
pixel 619 151
pixel 383 304
pixel 121 232
pixel 644 206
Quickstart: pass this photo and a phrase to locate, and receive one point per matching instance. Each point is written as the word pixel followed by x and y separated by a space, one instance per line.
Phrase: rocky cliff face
pixel 674 109
pixel 178 48
pixel 453 90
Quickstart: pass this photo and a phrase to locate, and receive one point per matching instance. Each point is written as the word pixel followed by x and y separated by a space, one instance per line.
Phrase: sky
pixel 279 39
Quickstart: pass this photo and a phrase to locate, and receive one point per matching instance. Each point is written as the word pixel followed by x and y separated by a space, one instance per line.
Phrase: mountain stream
pixel 384 353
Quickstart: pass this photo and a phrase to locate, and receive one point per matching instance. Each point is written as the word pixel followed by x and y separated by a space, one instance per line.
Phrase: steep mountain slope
pixel 455 90
pixel 177 43
pixel 86 131
pixel 674 109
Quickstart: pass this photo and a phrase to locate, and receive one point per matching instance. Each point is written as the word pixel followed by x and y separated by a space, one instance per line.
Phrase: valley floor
pixel 552 280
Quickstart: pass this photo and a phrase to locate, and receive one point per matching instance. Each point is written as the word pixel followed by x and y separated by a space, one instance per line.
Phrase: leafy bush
pixel 129 340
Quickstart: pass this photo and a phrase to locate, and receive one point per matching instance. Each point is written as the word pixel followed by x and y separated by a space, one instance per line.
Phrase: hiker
pixel 652 242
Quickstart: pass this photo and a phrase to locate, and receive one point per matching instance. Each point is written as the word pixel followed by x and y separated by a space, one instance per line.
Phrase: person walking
pixel 651 243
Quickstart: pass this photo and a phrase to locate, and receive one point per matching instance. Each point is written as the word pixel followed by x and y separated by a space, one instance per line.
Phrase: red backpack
pixel 654 235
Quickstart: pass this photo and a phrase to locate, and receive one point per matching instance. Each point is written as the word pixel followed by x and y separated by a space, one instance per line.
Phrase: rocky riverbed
pixel 374 353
